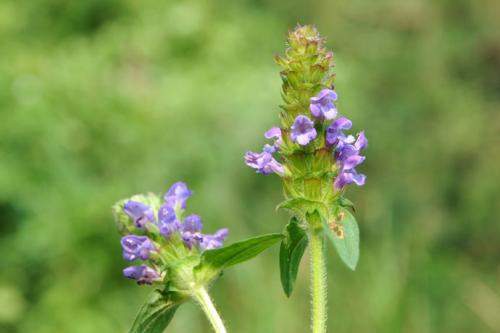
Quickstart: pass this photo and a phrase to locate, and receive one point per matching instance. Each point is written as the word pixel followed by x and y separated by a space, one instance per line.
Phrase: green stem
pixel 318 282
pixel 208 307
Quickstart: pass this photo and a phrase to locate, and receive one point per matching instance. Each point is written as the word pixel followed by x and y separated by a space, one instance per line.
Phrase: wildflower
pixel 139 212
pixel 177 195
pixel 322 105
pixel 264 162
pixel 274 133
pixel 334 133
pixel 142 274
pixel 302 130
pixel 214 241
pixel 136 247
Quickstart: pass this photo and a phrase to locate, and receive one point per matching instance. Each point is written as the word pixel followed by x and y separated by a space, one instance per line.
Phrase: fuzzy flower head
pixel 165 234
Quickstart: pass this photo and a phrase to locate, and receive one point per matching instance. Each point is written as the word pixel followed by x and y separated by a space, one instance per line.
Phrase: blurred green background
pixel 101 99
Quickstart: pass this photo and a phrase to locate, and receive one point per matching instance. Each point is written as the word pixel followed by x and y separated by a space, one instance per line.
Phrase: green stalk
pixel 208 307
pixel 318 282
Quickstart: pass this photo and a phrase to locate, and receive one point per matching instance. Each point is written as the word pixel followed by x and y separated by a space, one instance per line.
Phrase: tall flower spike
pixel 320 160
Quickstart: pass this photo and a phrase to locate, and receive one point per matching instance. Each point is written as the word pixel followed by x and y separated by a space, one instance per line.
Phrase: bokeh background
pixel 101 99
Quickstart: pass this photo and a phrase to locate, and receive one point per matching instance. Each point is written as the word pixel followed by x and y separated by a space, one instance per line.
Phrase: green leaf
pixel 214 261
pixel 291 252
pixel 155 315
pixel 344 234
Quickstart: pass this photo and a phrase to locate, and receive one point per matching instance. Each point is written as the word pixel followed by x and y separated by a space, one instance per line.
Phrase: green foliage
pixel 291 251
pixel 155 315
pixel 214 261
pixel 343 233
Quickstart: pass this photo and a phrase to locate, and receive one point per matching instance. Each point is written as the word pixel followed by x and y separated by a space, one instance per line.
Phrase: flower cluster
pixel 345 149
pixel 311 153
pixel 161 235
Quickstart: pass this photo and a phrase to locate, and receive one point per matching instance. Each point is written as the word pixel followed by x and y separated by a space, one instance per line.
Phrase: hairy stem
pixel 208 307
pixel 318 282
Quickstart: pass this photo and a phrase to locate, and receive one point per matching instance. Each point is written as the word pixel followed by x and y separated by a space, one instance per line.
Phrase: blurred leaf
pixel 344 234
pixel 214 261
pixel 291 252
pixel 155 315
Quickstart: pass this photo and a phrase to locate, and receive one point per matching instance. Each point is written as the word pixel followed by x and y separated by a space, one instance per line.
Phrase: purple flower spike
pixel 136 247
pixel 322 105
pixel 264 163
pixel 143 274
pixel 214 241
pixel 274 133
pixel 177 195
pixel 302 130
pixel 139 212
pixel 167 221
pixel 334 132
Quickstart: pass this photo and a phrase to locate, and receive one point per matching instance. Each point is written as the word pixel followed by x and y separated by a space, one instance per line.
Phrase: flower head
pixel 168 237
pixel 139 212
pixel 302 131
pixel 322 105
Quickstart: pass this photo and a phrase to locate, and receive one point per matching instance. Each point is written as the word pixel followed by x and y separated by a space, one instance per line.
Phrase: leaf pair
pixel 341 229
pixel 157 313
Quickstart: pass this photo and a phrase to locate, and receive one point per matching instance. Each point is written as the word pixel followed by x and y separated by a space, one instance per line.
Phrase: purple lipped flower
pixel 136 247
pixel 139 212
pixel 335 134
pixel 302 130
pixel 142 274
pixel 191 230
pixel 214 241
pixel 167 220
pixel 347 177
pixel 323 106
pixel 177 195
pixel 264 162
pixel 361 141
pixel 274 133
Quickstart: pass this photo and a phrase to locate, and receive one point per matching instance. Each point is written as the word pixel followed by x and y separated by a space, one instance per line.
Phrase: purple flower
pixel 264 162
pixel 302 130
pixel 348 157
pixel 274 133
pixel 322 105
pixel 347 177
pixel 191 229
pixel 177 195
pixel 214 241
pixel 143 274
pixel 167 220
pixel 136 247
pixel 139 212
pixel 334 133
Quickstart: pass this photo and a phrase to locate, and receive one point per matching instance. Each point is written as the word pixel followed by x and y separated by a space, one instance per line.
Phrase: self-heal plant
pixel 316 159
pixel 175 256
